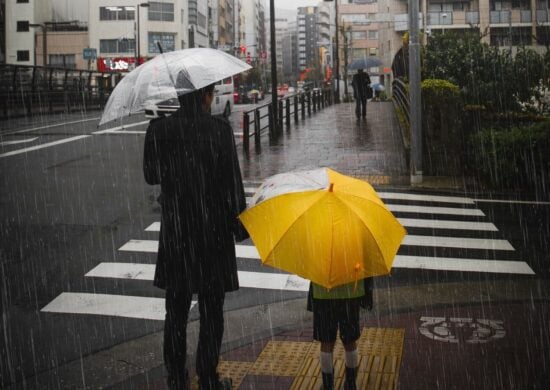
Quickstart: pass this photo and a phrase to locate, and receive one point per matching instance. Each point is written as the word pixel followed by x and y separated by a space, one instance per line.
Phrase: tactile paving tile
pixel 281 358
pixel 235 370
pixel 376 179
pixel 380 353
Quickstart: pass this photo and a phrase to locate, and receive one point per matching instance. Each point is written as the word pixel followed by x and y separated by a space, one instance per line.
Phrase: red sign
pixel 117 64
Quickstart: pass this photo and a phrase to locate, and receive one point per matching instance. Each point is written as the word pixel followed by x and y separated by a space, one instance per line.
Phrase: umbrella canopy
pixel 365 63
pixel 323 226
pixel 167 76
pixel 377 87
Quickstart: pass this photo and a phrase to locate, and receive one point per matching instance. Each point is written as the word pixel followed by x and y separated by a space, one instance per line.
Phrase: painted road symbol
pixel 461 330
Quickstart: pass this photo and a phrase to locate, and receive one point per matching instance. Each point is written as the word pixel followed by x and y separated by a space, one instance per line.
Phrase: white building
pixel 20 35
pixel 198 23
pixel 116 25
pixel 251 10
pixel 69 10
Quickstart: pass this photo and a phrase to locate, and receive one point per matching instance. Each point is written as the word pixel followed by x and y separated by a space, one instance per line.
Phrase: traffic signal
pixel 248 59
pixel 243 49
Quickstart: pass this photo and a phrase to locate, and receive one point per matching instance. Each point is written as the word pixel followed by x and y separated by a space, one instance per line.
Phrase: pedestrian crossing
pixel 445 233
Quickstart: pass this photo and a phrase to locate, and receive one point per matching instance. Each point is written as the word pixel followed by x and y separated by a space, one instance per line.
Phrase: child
pixel 338 309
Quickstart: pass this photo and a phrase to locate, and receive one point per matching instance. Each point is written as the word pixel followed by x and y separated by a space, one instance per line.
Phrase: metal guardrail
pixel 401 103
pixel 288 107
pixel 35 90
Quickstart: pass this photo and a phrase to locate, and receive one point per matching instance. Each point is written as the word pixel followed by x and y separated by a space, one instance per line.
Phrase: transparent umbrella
pixel 167 76
pixel 365 63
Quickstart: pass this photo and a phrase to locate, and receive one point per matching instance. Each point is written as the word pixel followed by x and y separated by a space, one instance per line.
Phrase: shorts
pixel 331 315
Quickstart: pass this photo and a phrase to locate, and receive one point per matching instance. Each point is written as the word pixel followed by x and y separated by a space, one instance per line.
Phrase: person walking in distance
pixel 361 92
pixel 192 155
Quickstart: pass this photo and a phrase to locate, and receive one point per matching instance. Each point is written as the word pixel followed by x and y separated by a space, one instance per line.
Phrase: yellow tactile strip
pixel 380 351
pixel 376 179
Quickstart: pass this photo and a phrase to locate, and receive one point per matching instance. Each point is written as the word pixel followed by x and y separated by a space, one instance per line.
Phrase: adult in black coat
pixel 192 155
pixel 361 92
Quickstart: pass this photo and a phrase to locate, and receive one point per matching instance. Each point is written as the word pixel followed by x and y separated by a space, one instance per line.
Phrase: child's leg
pixel 350 333
pixel 327 367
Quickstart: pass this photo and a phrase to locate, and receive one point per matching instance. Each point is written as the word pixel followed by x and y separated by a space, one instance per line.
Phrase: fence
pixel 34 90
pixel 288 107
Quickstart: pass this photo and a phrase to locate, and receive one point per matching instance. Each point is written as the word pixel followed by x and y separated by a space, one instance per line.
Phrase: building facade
pixel 197 20
pixel 22 19
pixel 116 26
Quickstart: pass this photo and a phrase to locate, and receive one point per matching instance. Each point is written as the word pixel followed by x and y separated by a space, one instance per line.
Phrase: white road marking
pixel 468 265
pixel 42 146
pixel 248 251
pixel 455 225
pixel 435 210
pixel 52 125
pixel 109 305
pixel 425 198
pixel 408 222
pixel 19 141
pixel 261 280
pixel 507 201
pixel 457 242
pixel 120 129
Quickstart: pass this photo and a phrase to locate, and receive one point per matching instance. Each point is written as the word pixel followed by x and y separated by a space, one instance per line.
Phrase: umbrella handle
pixel 357 267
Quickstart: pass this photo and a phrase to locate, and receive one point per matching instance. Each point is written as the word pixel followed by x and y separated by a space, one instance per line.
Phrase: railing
pixel 400 99
pixel 440 18
pixel 500 17
pixel 34 90
pixel 287 107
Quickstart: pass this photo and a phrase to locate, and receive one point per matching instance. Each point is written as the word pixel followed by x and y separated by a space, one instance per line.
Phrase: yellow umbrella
pixel 323 226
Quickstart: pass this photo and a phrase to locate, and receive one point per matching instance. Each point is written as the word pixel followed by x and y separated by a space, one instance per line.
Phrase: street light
pixel 44 42
pixel 138 37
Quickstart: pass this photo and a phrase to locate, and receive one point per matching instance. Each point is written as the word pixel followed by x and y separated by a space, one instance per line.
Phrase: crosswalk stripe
pixel 442 224
pixel 424 198
pixel 148 308
pixel 247 279
pixel 467 265
pixel 411 222
pixel 249 251
pixel 457 242
pixel 435 210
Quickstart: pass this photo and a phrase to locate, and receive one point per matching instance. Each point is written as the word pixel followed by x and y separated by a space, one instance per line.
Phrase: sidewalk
pixel 473 334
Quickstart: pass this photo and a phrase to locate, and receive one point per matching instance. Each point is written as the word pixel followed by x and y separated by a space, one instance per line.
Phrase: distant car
pixel 291 90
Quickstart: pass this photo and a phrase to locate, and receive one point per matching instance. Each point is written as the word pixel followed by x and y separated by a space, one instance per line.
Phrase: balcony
pixel 440 18
pixel 510 16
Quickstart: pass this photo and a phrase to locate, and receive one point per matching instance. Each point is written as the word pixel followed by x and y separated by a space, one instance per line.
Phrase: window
pixel 167 41
pixel 117 45
pixel 373 51
pixel 182 16
pixel 22 1
pixel 22 25
pixel 201 20
pixel 23 55
pixel 359 35
pixel 373 34
pixel 67 61
pixel 117 13
pixel 163 12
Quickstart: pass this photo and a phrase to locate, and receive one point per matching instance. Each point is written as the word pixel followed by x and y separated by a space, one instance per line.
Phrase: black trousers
pixel 360 106
pixel 210 336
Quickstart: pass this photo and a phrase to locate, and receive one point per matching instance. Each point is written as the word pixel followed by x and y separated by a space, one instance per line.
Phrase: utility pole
pixel 274 103
pixel 337 97
pixel 415 94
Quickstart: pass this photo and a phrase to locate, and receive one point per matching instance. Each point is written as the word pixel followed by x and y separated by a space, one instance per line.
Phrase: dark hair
pixel 191 102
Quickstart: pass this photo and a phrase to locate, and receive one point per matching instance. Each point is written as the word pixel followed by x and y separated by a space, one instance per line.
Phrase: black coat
pixel 361 85
pixel 195 163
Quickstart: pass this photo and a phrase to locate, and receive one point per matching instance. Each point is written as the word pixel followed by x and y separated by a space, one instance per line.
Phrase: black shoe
pixel 216 384
pixel 351 379
pixel 328 381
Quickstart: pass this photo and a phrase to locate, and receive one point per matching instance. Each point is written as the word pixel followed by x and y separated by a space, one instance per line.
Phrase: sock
pixel 326 362
pixel 352 359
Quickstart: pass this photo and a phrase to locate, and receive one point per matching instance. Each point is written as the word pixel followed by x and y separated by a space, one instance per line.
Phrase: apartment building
pixel 222 23
pixel 197 20
pixel 253 15
pixel 22 19
pixel 314 36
